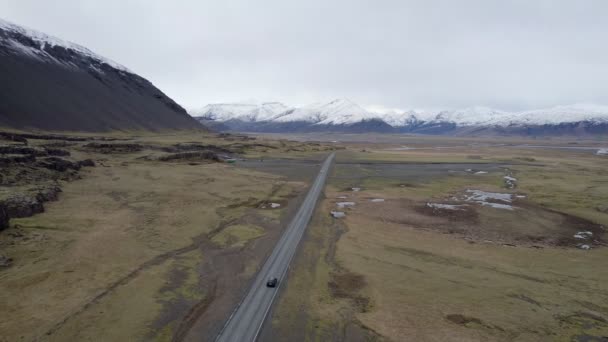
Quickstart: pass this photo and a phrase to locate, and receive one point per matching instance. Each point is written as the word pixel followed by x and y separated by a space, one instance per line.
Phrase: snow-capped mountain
pixel 336 112
pixel 242 111
pixel 42 46
pixel 51 84
pixel 343 114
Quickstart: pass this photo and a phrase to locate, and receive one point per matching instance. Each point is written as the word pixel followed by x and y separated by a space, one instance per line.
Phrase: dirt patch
pixel 471 322
pixel 190 156
pixel 347 285
pixel 107 148
pixel 196 147
pixel 461 213
pixel 544 227
pixel 525 299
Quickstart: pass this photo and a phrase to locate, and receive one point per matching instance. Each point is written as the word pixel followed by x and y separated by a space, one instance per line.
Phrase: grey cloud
pixel 426 54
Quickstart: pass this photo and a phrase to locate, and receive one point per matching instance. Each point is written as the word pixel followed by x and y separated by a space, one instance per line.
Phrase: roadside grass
pixel 306 310
pixel 424 285
pixel 419 278
pixel 237 235
pixel 123 215
pixel 576 190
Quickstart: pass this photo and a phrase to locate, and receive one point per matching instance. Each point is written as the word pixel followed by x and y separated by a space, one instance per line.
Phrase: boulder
pixel 3 216
pixel 58 164
pixel 205 155
pixel 22 205
pixel 57 152
pixel 87 163
pixel 46 194
pixel 11 159
pixel 21 149
pixel 5 261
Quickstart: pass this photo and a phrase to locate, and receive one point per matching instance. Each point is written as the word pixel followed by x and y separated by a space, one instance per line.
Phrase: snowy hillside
pixel 51 84
pixel 39 45
pixel 336 112
pixel 241 111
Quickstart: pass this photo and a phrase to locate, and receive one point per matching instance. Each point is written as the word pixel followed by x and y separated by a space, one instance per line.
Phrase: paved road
pixel 246 321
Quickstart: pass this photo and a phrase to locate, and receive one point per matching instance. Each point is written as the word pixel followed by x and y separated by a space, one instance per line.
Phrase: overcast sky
pixel 404 54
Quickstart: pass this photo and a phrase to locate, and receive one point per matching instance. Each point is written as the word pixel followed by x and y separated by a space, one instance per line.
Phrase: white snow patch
pixel 43 40
pixel 376 200
pixel 337 214
pixel 509 178
pixel 481 172
pixel 585 247
pixel 275 205
pixel 345 204
pixel 482 197
pixel 479 195
pixel 602 152
pixel 342 197
pixel 356 189
pixel 497 205
pixel 446 206
pixel 583 235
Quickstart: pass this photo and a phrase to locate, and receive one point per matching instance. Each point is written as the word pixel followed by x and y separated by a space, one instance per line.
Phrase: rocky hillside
pixel 50 84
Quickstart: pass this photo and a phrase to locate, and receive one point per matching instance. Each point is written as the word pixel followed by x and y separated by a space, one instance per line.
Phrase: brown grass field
pixel 145 247
pixel 400 271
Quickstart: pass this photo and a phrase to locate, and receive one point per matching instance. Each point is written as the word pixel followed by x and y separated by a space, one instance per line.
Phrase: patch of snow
pixel 342 197
pixel 250 112
pixel 446 206
pixel 337 214
pixel 481 172
pixel 602 152
pixel 583 235
pixel 510 181
pixel 336 112
pixel 496 205
pixel 482 197
pixel 356 189
pixel 345 204
pixel 44 41
pixel 275 205
pixel 585 247
pixel 376 200
pixel 520 196
pixel 479 195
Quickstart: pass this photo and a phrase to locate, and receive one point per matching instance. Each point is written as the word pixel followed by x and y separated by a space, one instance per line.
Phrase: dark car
pixel 272 282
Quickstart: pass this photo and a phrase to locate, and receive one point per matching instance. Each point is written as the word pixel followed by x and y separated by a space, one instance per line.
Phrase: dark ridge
pixel 59 89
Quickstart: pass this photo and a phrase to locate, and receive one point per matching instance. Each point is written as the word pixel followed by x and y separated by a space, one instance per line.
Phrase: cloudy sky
pixel 403 54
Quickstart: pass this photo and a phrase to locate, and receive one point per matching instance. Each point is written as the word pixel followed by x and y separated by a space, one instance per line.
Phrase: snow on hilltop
pixel 39 45
pixel 250 112
pixel 336 112
pixel 346 112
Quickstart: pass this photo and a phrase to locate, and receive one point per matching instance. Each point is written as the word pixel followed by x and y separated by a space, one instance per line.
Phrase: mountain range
pixel 343 115
pixel 50 84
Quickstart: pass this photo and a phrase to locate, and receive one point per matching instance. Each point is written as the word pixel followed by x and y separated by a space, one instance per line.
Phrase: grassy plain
pixel 396 271
pixel 133 246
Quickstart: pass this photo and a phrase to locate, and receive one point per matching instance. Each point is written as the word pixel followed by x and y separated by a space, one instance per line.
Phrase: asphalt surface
pixel 246 321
